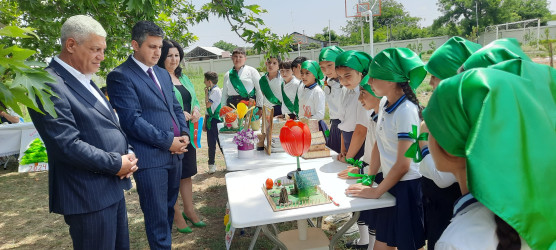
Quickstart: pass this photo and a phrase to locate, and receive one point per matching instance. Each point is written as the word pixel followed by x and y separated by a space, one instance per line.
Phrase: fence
pixel 523 35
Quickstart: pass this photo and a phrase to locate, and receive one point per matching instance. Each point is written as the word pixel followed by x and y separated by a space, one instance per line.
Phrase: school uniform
pixel 311 98
pixel 290 98
pixel 472 227
pixel 333 92
pixel 212 120
pixel 272 92
pixel 402 224
pixel 250 77
pixel 440 192
pixel 353 114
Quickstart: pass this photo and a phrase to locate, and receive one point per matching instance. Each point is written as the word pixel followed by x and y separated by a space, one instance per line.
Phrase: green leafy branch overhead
pixel 22 81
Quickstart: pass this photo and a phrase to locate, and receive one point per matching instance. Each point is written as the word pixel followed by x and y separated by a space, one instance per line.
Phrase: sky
pixel 309 16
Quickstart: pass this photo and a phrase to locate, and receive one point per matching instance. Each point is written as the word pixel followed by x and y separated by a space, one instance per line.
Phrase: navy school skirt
pixel 369 216
pixel 402 225
pixel 334 140
pixel 438 204
pixel 347 142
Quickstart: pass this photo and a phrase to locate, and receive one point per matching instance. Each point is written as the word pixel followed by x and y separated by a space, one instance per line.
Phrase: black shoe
pixel 353 245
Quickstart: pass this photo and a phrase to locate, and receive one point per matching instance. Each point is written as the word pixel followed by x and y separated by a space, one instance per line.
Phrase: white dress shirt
pixel 472 227
pixel 352 111
pixel 85 80
pixel 311 99
pixel 334 93
pixel 250 77
pixel 145 68
pixel 276 88
pixel 290 89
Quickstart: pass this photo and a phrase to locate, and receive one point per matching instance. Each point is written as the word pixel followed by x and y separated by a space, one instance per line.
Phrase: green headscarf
pixel 497 122
pixel 542 76
pixel 497 51
pixel 448 58
pixel 314 68
pixel 398 65
pixel 357 60
pixel 330 53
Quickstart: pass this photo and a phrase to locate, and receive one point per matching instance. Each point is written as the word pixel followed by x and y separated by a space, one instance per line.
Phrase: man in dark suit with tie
pixel 90 160
pixel 151 116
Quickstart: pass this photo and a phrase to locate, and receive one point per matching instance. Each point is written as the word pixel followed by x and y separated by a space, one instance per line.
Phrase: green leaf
pixel 34 85
pixel 13 31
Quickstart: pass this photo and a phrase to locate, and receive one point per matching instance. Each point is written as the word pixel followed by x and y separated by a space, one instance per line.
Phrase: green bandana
pixel 398 65
pixel 357 60
pixel 365 85
pixel 497 122
pixel 543 76
pixel 330 53
pixel 448 58
pixel 267 92
pixel 314 68
pixel 497 51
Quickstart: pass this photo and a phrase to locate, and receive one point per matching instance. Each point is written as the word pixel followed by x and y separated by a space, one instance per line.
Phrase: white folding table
pixel 249 206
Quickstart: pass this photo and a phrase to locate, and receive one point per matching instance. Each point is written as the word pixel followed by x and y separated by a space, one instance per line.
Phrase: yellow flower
pixel 241 110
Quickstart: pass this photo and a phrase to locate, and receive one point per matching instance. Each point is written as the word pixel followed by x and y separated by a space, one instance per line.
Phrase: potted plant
pixel 245 141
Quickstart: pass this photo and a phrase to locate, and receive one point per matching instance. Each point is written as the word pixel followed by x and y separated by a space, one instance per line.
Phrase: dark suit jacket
pixel 84 145
pixel 145 114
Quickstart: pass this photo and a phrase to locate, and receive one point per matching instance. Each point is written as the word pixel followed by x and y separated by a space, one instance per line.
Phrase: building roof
pixel 202 51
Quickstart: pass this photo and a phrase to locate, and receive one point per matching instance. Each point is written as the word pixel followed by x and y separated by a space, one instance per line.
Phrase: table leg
pixel 275 229
pixel 254 240
pixel 343 230
pixel 273 238
pixel 319 222
pixel 310 221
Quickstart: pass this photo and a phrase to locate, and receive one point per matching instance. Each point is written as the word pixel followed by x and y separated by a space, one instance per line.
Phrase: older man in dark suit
pixel 89 156
pixel 151 116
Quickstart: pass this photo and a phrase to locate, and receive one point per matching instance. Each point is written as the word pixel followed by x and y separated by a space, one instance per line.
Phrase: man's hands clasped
pixel 179 145
pixel 129 166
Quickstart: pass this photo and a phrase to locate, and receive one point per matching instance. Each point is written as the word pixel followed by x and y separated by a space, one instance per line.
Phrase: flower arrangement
pixel 245 137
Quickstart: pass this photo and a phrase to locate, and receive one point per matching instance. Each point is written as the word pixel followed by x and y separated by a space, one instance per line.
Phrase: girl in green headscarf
pixel 352 68
pixel 333 92
pixel 492 129
pixel 394 73
pixel 311 98
pixel 440 189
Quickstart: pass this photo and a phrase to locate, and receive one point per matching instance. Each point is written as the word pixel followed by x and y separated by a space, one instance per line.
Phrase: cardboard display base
pixel 319 198
pixel 316 239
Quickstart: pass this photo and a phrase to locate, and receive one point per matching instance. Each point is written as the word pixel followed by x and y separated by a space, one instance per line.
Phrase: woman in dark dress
pixel 170 59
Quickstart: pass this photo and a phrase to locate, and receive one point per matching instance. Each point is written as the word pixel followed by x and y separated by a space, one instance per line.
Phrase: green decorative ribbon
pixel 211 115
pixel 414 151
pixel 267 91
pixel 366 180
pixel 355 163
pixel 292 107
pixel 238 85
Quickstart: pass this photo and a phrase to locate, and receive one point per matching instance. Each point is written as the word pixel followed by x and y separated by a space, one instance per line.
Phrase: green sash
pixel 267 92
pixel 214 115
pixel 238 85
pixel 293 107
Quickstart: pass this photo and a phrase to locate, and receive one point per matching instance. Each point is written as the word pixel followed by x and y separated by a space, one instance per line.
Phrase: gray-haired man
pixel 89 156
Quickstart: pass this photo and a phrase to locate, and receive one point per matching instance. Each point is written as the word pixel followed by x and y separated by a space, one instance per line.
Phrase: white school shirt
pixel 352 111
pixel 290 89
pixel 472 227
pixel 250 77
pixel 370 139
pixel 428 169
pixel 311 98
pixel 394 123
pixel 334 93
pixel 215 97
pixel 85 80
pixel 276 88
